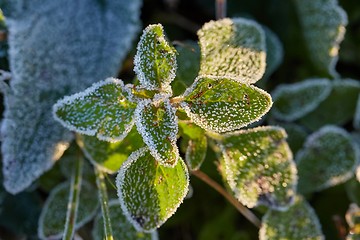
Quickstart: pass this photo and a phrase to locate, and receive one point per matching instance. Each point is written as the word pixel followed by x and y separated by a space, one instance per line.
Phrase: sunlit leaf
pixel 338 108
pixel 150 193
pixel 233 48
pixel 109 156
pixel 223 104
pixel 188 59
pixel 102 110
pixel 196 144
pixel 259 167
pixel 353 220
pixel 293 101
pixel 57 48
pixel 158 127
pixel 155 60
pixel 329 157
pixel 323 23
pixel 122 228
pixel 298 222
pixel 53 215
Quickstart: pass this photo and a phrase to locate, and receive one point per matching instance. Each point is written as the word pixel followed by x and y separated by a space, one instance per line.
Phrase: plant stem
pixel 243 210
pixel 75 189
pixel 104 201
pixel 220 8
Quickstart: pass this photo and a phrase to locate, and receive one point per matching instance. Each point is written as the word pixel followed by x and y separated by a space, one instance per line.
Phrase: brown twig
pixel 242 209
pixel 220 8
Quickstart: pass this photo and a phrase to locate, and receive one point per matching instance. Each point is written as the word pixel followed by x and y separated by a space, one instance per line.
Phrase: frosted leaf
pixel 56 48
pixel 328 158
pixel 121 227
pixel 150 193
pixel 293 101
pixel 196 144
pixel 233 48
pixel 323 23
pixel 155 59
pixel 53 216
pixel 102 110
pixel 109 156
pixel 298 222
pixel 259 167
pixel 338 108
pixel 188 59
pixel 356 121
pixel 223 104
pixel 274 52
pixel 158 126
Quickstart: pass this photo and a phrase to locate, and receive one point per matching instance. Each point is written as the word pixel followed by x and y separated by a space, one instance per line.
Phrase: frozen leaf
pixel 109 156
pixel 53 215
pixel 150 193
pixel 233 48
pixel 196 144
pixel 329 157
pixel 259 167
pixel 323 23
pixel 338 108
pixel 102 110
pixel 356 121
pixel 158 127
pixel 57 48
pixel 122 228
pixel 155 59
pixel 188 59
pixel 293 101
pixel 222 104
pixel 298 222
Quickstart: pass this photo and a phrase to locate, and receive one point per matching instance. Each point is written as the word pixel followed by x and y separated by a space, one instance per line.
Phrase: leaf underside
pixel 150 193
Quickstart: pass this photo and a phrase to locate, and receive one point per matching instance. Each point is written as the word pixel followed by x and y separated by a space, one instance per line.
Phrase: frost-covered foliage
pixel 56 48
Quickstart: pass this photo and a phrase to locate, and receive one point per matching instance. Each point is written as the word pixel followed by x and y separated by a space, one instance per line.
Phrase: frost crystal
pixel 259 167
pixel 323 23
pixel 155 60
pixel 150 193
pixel 233 48
pixel 298 222
pixel 223 104
pixel 158 125
pixel 293 101
pixel 56 48
pixel 329 157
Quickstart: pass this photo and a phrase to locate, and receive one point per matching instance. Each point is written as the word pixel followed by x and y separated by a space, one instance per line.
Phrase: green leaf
pixel 196 144
pixel 122 228
pixel 53 215
pixel 155 59
pixel 293 101
pixel 329 157
pixel 109 156
pixel 296 135
pixel 188 59
pixel 298 222
pixel 157 124
pixel 356 121
pixel 233 48
pixel 259 167
pixel 150 193
pixel 223 104
pixel 323 23
pixel 102 110
pixel 352 188
pixel 338 108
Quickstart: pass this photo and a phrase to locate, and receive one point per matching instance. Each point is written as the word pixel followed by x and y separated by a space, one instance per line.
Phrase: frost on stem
pixel 259 167
pixel 233 48
pixel 150 193
pixel 56 48
pixel 323 23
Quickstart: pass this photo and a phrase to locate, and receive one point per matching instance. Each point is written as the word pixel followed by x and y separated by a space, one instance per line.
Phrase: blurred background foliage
pixel 207 215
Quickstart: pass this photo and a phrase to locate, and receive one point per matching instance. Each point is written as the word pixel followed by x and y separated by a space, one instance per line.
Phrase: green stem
pixel 241 208
pixel 104 201
pixel 220 6
pixel 75 189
